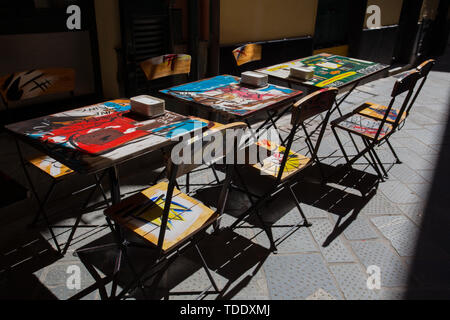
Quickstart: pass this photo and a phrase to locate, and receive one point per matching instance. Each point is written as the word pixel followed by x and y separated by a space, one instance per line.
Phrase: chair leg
pixel 215 173
pixel 341 146
pixel 41 211
pixel 188 182
pixel 268 231
pixel 297 203
pixel 393 152
pixel 377 158
pixel 374 163
pixel 205 266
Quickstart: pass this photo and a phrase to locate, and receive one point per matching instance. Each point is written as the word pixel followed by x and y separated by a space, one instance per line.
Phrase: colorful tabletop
pixel 96 137
pixel 225 94
pixel 329 70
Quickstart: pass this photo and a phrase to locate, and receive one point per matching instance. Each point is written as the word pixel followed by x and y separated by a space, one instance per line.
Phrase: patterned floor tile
pixel 400 231
pixel 374 253
pixel 336 251
pixel 353 282
pixel 295 277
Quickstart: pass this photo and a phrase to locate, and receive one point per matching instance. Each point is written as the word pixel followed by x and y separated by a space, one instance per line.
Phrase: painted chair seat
pixel 271 165
pixel 142 213
pixel 378 111
pixel 362 125
pixel 50 166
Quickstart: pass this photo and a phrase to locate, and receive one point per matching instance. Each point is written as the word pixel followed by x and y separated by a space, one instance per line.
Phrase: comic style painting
pixel 378 111
pixel 225 93
pixel 105 131
pixel 365 126
pixel 142 214
pixel 329 70
pixel 166 65
pixel 50 166
pixel 34 83
pixel 271 165
pixel 248 53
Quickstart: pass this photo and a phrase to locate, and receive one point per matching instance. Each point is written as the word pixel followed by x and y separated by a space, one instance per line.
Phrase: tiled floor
pixel 402 227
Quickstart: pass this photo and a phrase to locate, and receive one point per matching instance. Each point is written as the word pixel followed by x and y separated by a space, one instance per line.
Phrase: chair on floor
pixel 372 131
pixel 378 111
pixel 165 219
pixel 283 165
pixel 20 86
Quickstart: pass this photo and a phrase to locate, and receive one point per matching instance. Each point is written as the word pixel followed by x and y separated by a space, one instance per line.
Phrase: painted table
pixel 101 136
pixel 329 70
pixel 224 94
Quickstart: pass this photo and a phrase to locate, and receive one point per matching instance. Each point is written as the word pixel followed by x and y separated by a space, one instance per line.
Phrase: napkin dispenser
pixel 301 73
pixel 148 106
pixel 256 79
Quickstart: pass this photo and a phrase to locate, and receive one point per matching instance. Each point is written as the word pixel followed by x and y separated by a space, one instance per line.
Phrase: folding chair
pixel 32 84
pixel 283 164
pixel 372 131
pixel 377 111
pixel 167 220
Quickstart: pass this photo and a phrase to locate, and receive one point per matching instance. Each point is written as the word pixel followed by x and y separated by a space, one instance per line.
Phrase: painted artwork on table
pixel 248 53
pixel 166 65
pixel 225 93
pixel 35 83
pixel 365 126
pixel 271 165
pixel 104 132
pixel 377 111
pixel 142 214
pixel 50 166
pixel 329 70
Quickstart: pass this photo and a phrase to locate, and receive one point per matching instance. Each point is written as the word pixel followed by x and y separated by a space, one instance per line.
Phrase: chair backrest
pixel 313 104
pixel 304 109
pixel 424 69
pixel 247 53
pixel 184 166
pixel 406 83
pixel 166 65
pixel 29 84
pixel 199 146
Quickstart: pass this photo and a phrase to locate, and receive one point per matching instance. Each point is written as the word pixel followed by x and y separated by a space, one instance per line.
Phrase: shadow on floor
pixel 240 259
pixel 20 267
pixel 430 266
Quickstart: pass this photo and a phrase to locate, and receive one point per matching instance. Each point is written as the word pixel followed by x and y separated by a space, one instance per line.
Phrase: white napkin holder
pixel 253 78
pixel 302 73
pixel 148 106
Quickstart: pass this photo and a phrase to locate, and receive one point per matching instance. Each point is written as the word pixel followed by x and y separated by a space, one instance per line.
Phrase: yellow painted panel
pixel 257 20
pixel 339 50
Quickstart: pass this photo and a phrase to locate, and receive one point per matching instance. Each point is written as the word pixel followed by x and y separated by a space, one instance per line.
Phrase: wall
pixel 390 11
pixel 21 52
pixel 257 20
pixel 109 37
pixel 429 9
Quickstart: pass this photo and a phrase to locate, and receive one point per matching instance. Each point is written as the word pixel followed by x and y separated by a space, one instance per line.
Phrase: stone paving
pixel 400 226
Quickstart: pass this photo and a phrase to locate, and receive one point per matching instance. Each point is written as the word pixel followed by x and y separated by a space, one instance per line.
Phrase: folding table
pixel 329 71
pixel 225 95
pixel 98 137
